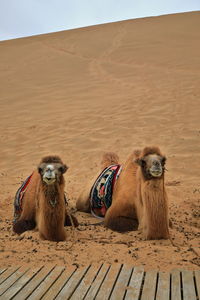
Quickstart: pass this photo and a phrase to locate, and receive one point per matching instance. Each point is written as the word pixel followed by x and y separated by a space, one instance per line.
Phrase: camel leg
pixel 122 224
pixel 27 219
pixel 23 225
pixel 83 205
pixel 61 236
pixel 83 201
pixel 68 221
pixel 120 221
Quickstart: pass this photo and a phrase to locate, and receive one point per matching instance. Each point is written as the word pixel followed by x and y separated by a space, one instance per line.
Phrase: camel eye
pixel 63 169
pixel 143 162
pixel 39 170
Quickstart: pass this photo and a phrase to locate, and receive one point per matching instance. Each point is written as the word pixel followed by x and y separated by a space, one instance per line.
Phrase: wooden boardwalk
pixel 99 282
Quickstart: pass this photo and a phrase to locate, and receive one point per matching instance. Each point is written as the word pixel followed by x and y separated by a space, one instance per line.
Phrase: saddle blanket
pixel 18 198
pixel 101 192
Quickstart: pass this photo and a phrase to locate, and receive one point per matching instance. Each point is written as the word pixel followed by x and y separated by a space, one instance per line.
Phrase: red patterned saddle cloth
pixel 101 192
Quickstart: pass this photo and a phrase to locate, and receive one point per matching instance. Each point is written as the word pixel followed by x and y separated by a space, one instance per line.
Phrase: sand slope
pixel 113 87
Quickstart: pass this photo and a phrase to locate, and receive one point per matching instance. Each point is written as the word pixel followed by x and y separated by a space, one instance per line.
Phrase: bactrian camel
pixel 138 199
pixel 40 202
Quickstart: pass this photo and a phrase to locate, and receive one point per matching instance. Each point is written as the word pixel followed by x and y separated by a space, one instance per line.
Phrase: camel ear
pixel 163 160
pixel 63 169
pixel 137 161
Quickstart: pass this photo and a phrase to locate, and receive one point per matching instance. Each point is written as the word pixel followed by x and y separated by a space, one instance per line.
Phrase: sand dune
pixel 81 92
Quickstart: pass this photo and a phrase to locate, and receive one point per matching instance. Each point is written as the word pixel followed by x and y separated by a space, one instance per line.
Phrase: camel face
pixel 50 173
pixel 152 165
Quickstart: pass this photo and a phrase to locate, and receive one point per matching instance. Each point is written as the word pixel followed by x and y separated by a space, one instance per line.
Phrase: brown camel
pixel 43 203
pixel 138 195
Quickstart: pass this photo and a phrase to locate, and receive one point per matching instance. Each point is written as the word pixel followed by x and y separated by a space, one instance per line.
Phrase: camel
pixel 139 198
pixel 42 203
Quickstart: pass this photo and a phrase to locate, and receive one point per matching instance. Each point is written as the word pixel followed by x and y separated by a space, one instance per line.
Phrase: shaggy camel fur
pixel 44 203
pixel 139 195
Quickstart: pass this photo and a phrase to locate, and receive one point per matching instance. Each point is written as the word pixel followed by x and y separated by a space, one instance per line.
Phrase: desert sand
pixel 112 87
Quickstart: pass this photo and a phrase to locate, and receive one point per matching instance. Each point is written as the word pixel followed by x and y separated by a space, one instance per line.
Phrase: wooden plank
pixel 46 283
pixel 109 282
pixel 34 283
pixel 197 280
pixel 2 270
pixel 163 290
pixel 122 283
pixel 149 287
pixel 188 285
pixel 12 279
pixel 19 284
pixel 85 284
pixel 7 273
pixel 175 285
pixel 133 290
pixel 97 282
pixel 60 282
pixel 72 283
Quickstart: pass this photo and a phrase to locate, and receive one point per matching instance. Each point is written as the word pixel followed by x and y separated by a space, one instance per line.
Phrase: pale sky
pixel 19 18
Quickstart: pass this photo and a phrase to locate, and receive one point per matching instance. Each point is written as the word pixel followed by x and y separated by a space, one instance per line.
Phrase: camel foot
pixel 23 225
pixel 122 224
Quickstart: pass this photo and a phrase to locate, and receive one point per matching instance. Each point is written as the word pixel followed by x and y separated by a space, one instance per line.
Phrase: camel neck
pixel 154 183
pixel 52 194
pixel 155 204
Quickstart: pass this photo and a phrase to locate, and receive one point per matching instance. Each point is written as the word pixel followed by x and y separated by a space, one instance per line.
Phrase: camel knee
pixel 83 205
pixel 23 225
pixel 121 223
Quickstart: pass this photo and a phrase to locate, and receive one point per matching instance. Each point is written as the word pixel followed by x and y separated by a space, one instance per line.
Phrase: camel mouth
pixel 156 173
pixel 49 180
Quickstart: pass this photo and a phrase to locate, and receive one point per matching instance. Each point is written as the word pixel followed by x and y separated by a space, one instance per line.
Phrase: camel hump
pixel 137 153
pixel 109 158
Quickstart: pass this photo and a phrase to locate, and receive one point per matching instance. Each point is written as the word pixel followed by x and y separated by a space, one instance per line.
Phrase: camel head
pixel 152 162
pixel 51 169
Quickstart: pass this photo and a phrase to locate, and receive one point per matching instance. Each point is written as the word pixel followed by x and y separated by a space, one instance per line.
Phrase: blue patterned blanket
pixel 101 192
